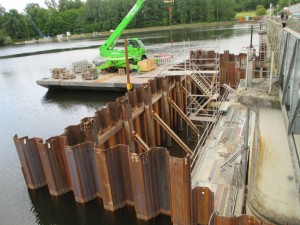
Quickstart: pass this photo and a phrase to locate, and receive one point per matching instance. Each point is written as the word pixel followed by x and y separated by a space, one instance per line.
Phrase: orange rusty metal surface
pixel 53 160
pixel 30 161
pixel 160 179
pixel 82 168
pixel 142 186
pixel 222 220
pixel 180 182
pixel 238 220
pixel 114 177
pixel 90 129
pixel 133 100
pixel 75 134
pixel 115 110
pixel 202 204
pixel 152 181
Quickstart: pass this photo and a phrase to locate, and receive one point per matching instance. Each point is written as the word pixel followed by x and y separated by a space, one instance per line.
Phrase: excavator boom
pixel 115 58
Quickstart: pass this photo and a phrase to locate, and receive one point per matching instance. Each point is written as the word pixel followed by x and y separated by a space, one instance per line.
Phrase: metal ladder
pixel 201 85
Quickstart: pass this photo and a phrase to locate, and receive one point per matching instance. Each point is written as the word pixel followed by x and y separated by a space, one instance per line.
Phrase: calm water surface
pixel 27 109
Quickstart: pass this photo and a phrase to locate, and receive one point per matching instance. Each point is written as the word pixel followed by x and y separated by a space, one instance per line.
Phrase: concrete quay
pixel 272 180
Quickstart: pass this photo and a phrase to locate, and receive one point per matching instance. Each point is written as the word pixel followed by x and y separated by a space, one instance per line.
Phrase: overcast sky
pixel 19 4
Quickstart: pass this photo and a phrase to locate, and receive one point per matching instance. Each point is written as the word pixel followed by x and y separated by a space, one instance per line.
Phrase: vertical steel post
pixel 128 124
pixel 166 108
pixel 179 102
pixel 271 72
pixel 129 85
pixel 251 45
pixel 149 119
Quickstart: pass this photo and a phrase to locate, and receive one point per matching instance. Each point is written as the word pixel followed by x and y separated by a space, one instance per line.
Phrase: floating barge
pixel 83 76
pixel 106 82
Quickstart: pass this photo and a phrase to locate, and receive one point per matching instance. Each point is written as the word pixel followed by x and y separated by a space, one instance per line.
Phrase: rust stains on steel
pixel 114 177
pixel 99 158
pixel 128 124
pixel 179 102
pixel 182 114
pixel 55 165
pixel 237 220
pixel 30 161
pixel 203 204
pixel 166 110
pixel 82 168
pixel 149 119
pixel 180 182
pixel 168 129
pixel 140 141
pixel 232 67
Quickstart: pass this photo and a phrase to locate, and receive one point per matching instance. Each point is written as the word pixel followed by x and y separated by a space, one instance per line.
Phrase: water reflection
pixel 193 34
pixel 63 210
pixel 69 99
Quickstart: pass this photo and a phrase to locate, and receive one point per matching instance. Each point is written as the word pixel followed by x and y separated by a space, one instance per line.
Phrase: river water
pixel 27 109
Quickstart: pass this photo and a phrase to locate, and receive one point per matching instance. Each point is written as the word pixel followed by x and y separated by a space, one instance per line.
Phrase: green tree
pixel 16 25
pixel 51 4
pixel 225 9
pixel 260 10
pixel 4 38
pixel 2 10
pixel 64 5
pixel 72 20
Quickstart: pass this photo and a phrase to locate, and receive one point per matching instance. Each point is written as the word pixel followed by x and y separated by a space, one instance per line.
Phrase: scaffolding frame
pixel 205 75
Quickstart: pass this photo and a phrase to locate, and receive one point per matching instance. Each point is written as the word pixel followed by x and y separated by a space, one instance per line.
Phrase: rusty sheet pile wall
pixel 232 67
pixel 113 155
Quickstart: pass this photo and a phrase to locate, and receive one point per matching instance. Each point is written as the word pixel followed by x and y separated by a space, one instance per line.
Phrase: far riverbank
pixel 105 34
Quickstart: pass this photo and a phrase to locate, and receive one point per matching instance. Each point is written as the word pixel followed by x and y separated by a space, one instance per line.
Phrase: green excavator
pixel 115 58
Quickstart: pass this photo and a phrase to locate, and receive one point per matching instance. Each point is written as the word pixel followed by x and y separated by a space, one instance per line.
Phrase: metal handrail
pixel 210 129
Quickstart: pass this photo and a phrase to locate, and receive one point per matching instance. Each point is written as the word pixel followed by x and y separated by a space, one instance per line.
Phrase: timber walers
pixel 113 155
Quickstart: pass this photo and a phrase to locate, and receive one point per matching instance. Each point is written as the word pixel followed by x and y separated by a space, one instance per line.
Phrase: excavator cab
pixel 136 48
pixel 115 58
pixel 135 43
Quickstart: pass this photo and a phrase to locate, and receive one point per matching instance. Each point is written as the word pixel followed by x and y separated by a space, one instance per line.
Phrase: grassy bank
pixel 244 14
pixel 147 29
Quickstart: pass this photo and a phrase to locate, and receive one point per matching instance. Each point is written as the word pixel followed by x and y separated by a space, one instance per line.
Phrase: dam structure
pixel 239 163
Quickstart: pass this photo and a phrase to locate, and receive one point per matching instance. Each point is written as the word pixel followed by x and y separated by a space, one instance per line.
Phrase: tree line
pixel 76 16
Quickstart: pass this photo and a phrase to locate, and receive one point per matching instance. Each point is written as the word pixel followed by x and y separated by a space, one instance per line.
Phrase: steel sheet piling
pixel 222 220
pixel 30 161
pixel 128 124
pixel 179 102
pixel 180 180
pixel 155 107
pixel 105 125
pixel 149 118
pixel 166 108
pixel 75 134
pixel 202 205
pixel 143 123
pixel 141 184
pixel 80 159
pixel 114 175
pixel 133 100
pixel 115 110
pixel 160 174
pixel 89 128
pixel 53 160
